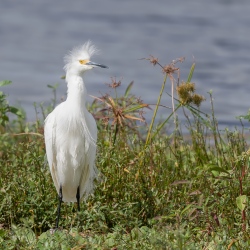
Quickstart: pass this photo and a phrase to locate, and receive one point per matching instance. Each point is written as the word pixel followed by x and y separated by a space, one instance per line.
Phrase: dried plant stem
pixel 172 92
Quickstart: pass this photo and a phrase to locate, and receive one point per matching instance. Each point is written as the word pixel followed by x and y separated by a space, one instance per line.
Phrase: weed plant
pixel 160 188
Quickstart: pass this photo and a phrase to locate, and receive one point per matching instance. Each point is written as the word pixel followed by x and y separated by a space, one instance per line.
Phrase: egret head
pixel 78 60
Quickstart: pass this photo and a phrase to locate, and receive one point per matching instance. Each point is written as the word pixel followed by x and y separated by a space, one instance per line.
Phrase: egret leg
pixel 60 197
pixel 78 198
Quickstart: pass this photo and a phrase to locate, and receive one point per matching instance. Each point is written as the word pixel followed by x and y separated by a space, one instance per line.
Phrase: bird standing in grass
pixel 70 133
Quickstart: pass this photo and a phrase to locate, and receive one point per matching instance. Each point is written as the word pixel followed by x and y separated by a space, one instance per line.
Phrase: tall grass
pixel 159 189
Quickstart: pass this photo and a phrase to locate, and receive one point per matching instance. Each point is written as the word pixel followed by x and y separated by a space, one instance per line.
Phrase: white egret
pixel 70 133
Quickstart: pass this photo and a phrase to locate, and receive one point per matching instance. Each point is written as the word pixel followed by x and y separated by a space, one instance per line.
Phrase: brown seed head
pixel 186 94
pixel 153 60
pixel 169 69
pixel 198 99
pixel 114 84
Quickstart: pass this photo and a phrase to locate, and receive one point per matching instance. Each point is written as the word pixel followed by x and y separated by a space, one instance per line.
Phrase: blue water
pixel 34 37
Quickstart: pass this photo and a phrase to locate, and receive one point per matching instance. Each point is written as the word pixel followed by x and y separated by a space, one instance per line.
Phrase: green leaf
pixel 53 86
pixel 186 208
pixel 241 202
pixel 13 110
pixel 23 235
pixel 190 75
pixel 128 89
pixel 136 107
pixel 2 233
pixel 5 82
pixel 218 169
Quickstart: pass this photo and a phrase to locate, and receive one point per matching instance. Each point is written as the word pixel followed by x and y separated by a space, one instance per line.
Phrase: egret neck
pixel 76 91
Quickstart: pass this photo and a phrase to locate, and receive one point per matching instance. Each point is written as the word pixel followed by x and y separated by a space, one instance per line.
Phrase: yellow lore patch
pixel 83 61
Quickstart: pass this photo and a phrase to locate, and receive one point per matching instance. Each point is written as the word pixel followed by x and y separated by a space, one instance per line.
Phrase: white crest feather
pixel 81 52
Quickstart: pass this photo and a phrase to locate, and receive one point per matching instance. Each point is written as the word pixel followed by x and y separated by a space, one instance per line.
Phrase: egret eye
pixel 83 61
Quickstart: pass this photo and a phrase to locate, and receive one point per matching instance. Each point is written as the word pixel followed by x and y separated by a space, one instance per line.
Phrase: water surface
pixel 215 34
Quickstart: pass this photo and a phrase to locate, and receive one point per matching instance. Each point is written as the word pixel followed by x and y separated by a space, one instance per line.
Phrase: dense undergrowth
pixel 160 188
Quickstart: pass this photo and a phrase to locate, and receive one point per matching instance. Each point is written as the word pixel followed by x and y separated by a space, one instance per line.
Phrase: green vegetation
pixel 160 188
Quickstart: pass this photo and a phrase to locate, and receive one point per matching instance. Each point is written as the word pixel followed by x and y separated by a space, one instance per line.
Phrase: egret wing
pixel 90 172
pixel 49 136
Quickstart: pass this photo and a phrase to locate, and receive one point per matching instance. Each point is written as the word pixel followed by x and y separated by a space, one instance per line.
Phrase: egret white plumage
pixel 70 133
